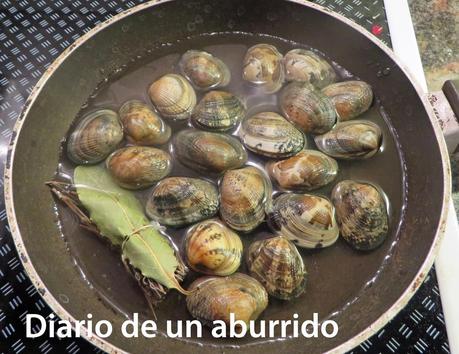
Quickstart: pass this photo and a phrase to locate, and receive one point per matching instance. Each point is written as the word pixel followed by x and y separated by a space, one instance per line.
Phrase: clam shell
pixel 307 220
pixel 95 137
pixel 306 66
pixel 219 111
pixel 173 96
pixel 214 298
pixel 204 70
pixel 350 98
pixel 207 152
pixel 245 195
pixel 276 263
pixel 270 134
pixel 263 67
pixel 212 248
pixel 142 125
pixel 307 108
pixel 356 139
pixel 179 201
pixel 137 167
pixel 361 213
pixel 308 170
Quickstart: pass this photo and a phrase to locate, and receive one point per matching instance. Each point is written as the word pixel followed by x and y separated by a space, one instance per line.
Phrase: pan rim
pixel 111 348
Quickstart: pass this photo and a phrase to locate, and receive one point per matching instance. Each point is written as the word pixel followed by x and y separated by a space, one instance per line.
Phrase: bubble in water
pixel 64 298
pixel 198 19
pixel 191 26
pixel 386 71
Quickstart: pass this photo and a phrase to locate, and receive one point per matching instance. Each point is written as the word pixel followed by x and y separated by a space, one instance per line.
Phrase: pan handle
pixel 446 108
pixel 451 91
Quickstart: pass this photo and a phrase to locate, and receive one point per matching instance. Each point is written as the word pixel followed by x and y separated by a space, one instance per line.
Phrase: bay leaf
pixel 119 216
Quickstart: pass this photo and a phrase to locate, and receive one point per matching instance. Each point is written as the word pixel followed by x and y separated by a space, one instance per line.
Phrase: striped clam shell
pixel 307 170
pixel 276 263
pixel 215 298
pixel 270 134
pixel 212 248
pixel 173 96
pixel 97 135
pixel 356 139
pixel 204 70
pixel 142 125
pixel 361 213
pixel 306 66
pixel 350 98
pixel 180 201
pixel 307 108
pixel 218 111
pixel 307 220
pixel 137 167
pixel 245 195
pixel 208 152
pixel 263 67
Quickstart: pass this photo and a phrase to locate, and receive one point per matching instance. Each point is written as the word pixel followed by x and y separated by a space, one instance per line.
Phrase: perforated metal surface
pixel 33 33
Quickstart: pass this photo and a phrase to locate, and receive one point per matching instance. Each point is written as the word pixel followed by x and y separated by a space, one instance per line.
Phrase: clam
pixel 218 110
pixel 307 220
pixel 361 213
pixel 307 170
pixel 142 125
pixel 179 201
pixel 95 137
pixel 351 98
pixel 137 167
pixel 204 70
pixel 173 96
pixel 306 66
pixel 276 263
pixel 245 195
pixel 270 134
pixel 357 139
pixel 263 67
pixel 215 298
pixel 307 108
pixel 208 152
pixel 212 248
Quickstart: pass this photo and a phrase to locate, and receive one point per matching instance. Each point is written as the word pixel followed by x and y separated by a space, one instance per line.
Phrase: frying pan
pixel 57 98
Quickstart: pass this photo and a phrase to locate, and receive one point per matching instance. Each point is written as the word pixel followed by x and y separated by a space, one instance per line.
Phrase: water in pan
pixel 336 275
